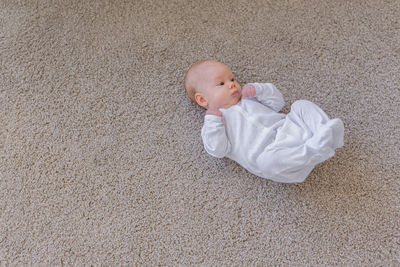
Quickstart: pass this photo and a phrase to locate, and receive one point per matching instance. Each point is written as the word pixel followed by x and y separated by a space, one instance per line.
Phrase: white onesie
pixel 283 148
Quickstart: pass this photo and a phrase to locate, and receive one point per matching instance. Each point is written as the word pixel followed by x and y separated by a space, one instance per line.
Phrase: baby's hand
pixel 211 111
pixel 248 90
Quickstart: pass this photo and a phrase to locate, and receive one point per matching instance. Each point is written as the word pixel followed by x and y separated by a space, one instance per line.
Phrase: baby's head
pixel 212 85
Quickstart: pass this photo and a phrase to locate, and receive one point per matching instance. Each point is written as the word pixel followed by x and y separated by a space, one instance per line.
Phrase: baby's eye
pixel 221 83
pixel 233 79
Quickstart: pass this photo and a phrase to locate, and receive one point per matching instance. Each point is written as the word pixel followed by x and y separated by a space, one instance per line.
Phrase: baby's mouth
pixel 234 93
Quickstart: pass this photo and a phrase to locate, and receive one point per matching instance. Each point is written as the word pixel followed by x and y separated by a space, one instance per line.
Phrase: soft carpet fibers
pixel 101 160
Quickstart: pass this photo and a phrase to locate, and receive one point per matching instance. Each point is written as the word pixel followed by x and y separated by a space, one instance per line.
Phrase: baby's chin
pixel 234 101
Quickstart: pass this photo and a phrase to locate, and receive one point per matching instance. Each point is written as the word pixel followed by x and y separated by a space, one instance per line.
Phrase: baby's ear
pixel 200 100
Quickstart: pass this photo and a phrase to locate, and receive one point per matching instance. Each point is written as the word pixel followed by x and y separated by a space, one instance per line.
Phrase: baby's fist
pixel 248 90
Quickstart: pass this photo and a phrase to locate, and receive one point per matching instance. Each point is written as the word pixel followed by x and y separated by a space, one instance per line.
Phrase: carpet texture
pixel 101 159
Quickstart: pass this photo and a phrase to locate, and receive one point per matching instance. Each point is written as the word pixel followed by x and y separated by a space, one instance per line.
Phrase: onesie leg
pixel 289 161
pixel 290 164
pixel 312 115
pixel 326 132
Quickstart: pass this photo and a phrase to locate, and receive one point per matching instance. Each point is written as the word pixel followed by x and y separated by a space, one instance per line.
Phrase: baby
pixel 244 125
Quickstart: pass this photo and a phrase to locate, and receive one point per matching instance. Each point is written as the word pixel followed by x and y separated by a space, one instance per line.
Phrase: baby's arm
pixel 215 141
pixel 266 93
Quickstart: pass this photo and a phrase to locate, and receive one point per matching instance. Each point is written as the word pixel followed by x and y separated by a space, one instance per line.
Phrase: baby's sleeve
pixel 269 95
pixel 214 137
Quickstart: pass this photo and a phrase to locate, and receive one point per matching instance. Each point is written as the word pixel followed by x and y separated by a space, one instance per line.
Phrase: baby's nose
pixel 231 85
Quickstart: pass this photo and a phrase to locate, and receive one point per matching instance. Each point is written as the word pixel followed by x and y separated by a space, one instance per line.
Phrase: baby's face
pixel 218 86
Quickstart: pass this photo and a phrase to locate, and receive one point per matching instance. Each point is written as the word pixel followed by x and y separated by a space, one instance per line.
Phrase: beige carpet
pixel 101 159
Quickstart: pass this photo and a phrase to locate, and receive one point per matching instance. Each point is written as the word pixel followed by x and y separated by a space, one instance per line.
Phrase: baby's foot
pixel 330 135
pixel 337 132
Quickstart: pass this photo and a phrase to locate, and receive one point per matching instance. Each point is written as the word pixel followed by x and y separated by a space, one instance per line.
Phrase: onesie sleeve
pixel 214 137
pixel 269 95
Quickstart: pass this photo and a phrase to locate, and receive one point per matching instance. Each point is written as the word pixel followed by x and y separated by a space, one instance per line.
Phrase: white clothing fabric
pixel 272 145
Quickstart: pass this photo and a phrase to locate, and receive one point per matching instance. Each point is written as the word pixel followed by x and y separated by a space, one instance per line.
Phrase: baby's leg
pixel 312 115
pixel 291 164
pixel 324 129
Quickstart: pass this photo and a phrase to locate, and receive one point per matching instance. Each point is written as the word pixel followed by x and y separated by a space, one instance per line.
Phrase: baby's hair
pixel 190 85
